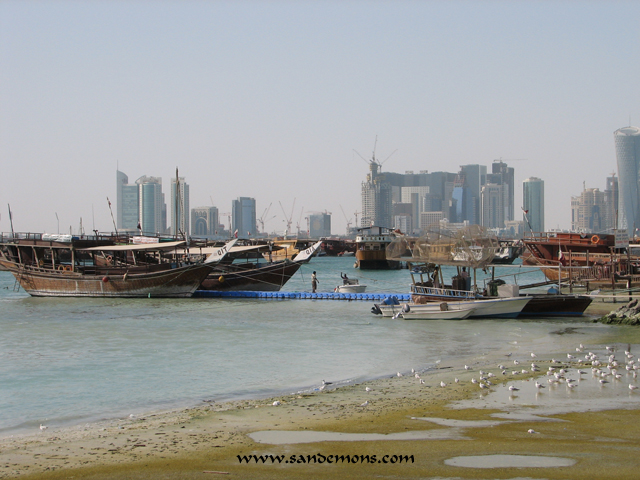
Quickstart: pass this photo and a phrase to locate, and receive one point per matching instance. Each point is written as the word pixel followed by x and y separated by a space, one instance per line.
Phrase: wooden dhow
pixel 81 266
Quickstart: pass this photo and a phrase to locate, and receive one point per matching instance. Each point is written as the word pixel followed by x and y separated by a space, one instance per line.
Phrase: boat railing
pixel 440 292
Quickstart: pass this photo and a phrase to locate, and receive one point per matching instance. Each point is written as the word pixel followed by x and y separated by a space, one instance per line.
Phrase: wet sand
pixel 441 427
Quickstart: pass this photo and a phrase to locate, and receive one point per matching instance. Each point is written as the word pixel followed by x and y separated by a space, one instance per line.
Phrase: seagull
pixel 421 382
pixel 482 385
pixel 399 374
pixel 570 357
pixel 631 387
pixel 368 389
pixel 365 404
pixel 603 381
pixel 456 380
pixel 44 427
pixel 531 430
pixel 442 384
pixel 276 403
pixel 533 355
pixel 473 380
pixel 513 389
pixel 539 385
pixel 417 376
pixel 516 362
pixel 467 367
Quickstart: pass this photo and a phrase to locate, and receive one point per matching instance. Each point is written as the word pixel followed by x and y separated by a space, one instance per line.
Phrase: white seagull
pixel 513 389
pixel 442 384
pixel 44 427
pixel 276 403
pixel 365 404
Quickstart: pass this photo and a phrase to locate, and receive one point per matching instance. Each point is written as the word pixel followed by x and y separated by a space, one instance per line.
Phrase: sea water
pixel 67 361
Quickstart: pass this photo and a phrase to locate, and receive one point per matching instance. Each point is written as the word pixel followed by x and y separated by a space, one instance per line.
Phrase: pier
pixel 402 297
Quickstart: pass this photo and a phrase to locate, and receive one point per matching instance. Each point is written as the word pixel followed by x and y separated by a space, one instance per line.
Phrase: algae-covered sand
pixel 398 427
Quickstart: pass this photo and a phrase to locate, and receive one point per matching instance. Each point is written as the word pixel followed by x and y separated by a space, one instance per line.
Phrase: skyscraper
pixel 376 199
pixel 204 221
pixel 126 203
pixel 627 142
pixel 152 209
pixel 243 211
pixel 588 211
pixel 533 205
pixel 179 206
pixel 611 203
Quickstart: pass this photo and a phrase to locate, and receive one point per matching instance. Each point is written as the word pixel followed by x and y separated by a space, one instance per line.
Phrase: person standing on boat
pixel 345 279
pixel 467 279
pixel 314 282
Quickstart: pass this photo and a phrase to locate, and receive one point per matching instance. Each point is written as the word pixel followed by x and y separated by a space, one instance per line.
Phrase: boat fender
pixel 595 239
pixel 124 277
pixel 105 279
pixel 444 306
pixel 221 279
pixel 406 308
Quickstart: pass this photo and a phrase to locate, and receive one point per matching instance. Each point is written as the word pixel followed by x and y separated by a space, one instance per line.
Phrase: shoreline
pixel 205 440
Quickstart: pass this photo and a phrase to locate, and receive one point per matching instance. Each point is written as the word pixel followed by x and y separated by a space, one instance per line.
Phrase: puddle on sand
pixel 450 422
pixel 282 437
pixel 509 461
pixel 528 402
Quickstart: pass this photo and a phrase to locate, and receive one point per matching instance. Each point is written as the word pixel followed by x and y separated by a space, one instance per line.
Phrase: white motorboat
pixel 350 286
pixel 507 307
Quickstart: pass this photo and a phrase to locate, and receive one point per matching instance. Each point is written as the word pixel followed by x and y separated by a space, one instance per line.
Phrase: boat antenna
pixel 112 219
pixel 11 220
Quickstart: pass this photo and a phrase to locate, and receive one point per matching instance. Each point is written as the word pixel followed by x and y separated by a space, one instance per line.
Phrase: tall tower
pixel 127 203
pixel 627 141
pixel 179 206
pixel 152 212
pixel 533 205
pixel 376 199
pixel 243 211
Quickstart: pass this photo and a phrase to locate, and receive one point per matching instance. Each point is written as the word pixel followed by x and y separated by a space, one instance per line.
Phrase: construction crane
pixel 228 214
pixel 345 217
pixel 373 155
pixel 288 219
pixel 502 160
pixel 356 215
pixel 261 220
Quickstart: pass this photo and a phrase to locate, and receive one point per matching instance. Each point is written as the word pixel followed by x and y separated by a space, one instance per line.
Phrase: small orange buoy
pixel 221 279
pixel 105 279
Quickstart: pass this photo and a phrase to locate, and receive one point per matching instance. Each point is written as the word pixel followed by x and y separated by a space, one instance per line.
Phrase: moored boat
pixel 254 276
pixel 371 245
pixel 100 267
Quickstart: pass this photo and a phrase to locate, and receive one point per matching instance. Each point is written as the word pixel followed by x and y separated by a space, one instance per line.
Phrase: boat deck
pixel 402 297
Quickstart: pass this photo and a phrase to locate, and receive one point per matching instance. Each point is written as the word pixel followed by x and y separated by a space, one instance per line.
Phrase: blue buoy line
pixel 403 297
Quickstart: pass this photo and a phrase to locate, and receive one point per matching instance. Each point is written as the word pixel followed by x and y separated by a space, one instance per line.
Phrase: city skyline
pixel 273 100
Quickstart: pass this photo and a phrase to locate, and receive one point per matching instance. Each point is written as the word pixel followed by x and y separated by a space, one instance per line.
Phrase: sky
pixel 278 100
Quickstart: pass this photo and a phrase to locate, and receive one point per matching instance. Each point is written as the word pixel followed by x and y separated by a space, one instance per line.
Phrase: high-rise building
pixel 502 174
pixel 376 199
pixel 627 142
pixel 474 177
pixel 493 200
pixel 204 221
pixel 611 204
pixel 243 212
pixel 587 211
pixel 533 205
pixel 179 206
pixel 320 225
pixel 151 207
pixel 127 203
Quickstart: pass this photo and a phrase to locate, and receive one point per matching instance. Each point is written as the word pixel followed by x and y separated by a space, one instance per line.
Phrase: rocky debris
pixel 628 314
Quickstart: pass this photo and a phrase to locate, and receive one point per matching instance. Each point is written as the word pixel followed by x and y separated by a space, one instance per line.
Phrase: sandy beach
pixel 399 427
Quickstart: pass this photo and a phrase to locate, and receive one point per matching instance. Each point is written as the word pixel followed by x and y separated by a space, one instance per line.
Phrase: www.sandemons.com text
pixel 318 458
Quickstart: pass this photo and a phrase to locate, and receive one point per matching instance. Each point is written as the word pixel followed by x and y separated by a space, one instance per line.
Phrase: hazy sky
pixel 269 99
